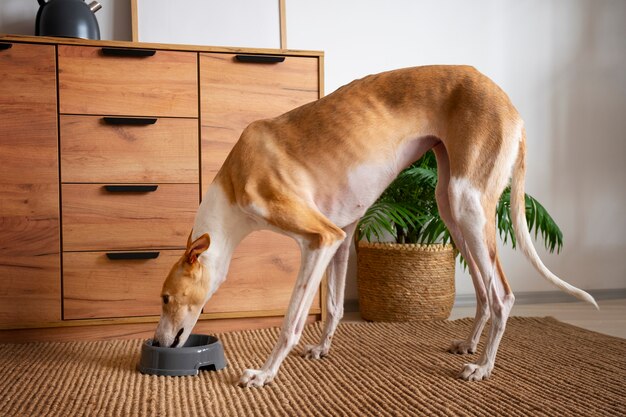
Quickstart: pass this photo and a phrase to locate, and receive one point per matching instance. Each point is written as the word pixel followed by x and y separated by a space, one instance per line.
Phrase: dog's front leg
pixel 314 262
pixel 336 284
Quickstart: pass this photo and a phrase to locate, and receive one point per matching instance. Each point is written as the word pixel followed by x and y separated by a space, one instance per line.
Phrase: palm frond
pixel 537 218
pixel 434 231
pixel 407 210
pixel 540 220
pixel 503 218
pixel 416 176
pixel 383 216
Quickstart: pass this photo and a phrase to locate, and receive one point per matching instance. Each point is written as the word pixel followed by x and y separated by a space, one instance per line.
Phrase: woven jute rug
pixel 544 367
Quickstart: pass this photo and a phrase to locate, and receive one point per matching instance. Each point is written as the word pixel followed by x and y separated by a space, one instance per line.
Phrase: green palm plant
pixel 407 211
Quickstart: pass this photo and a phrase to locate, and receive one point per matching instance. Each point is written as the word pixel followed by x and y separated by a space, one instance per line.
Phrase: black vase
pixel 67 18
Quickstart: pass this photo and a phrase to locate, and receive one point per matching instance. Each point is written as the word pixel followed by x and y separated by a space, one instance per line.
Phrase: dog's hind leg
pixel 443 204
pixel 474 211
pixel 336 284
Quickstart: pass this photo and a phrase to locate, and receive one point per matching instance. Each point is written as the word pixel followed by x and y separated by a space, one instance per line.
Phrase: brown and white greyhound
pixel 312 172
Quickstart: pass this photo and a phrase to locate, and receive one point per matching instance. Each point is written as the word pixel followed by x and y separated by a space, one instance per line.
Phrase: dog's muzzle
pixel 177 338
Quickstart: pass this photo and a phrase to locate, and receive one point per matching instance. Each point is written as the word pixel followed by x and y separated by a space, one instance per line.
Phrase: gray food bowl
pixel 200 352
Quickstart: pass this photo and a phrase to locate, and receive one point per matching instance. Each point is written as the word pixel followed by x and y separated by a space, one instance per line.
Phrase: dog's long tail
pixel 522 234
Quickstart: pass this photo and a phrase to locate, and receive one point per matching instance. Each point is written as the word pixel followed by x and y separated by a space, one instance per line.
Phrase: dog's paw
pixel 474 372
pixel 255 378
pixel 462 347
pixel 315 351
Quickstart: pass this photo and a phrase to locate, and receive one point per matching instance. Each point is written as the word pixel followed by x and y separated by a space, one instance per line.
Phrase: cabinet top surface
pixel 161 46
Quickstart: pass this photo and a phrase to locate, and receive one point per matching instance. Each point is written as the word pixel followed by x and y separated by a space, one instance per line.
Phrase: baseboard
pixel 529 297
pixel 351 305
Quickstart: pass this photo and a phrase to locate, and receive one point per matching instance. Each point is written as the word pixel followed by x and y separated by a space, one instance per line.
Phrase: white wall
pixel 17 17
pixel 239 23
pixel 562 63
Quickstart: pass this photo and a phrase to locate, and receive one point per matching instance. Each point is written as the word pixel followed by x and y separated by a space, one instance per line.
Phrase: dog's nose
pixel 155 343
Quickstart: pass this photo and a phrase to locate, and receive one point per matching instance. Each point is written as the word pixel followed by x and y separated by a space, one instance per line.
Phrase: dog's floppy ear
pixel 189 238
pixel 196 248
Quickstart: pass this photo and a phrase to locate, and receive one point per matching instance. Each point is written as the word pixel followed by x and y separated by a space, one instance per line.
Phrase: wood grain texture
pixel 133 330
pixel 134 21
pixel 30 281
pixel 164 46
pixel 261 277
pixel 95 286
pixel 95 219
pixel 282 13
pixel 148 319
pixel 161 85
pixel 234 94
pixel 263 268
pixel 93 151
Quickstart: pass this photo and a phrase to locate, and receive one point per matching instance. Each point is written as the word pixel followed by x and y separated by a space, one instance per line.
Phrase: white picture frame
pixel 233 23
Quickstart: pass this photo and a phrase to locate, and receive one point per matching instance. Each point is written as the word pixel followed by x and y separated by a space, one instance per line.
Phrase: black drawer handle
pixel 260 59
pixel 130 188
pixel 130 52
pixel 123 256
pixel 4 46
pixel 129 120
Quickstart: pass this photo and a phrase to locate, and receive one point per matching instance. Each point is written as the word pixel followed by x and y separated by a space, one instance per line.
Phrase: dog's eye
pixel 166 299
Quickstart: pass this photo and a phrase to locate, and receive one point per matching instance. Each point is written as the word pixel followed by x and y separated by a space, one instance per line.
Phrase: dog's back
pixel 343 150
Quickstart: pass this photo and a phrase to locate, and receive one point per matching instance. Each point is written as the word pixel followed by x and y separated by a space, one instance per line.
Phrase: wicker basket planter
pixel 405 282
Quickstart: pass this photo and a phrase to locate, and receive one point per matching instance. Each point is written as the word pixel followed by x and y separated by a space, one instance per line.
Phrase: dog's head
pixel 183 295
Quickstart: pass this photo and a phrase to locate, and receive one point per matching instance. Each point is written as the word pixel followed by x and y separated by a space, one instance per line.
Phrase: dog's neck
pixel 226 227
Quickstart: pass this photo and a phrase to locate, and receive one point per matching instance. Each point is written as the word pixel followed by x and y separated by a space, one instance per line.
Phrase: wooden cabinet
pixel 30 280
pixel 235 92
pixel 123 217
pixel 128 150
pixel 116 174
pixel 104 80
pixel 261 276
pixel 97 285
pixel 130 173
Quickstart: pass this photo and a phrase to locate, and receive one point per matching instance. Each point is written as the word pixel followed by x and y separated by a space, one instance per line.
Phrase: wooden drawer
pixel 91 82
pixel 261 277
pixel 129 150
pixel 97 219
pixel 30 275
pixel 260 280
pixel 249 92
pixel 95 286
